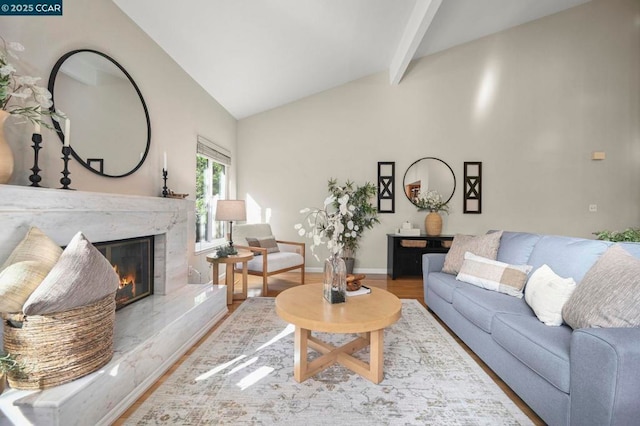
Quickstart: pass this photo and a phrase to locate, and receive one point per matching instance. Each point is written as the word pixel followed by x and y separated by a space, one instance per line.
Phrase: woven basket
pixel 61 347
pixel 413 243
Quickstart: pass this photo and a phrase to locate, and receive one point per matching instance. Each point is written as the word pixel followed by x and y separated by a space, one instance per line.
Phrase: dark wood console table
pixel 404 253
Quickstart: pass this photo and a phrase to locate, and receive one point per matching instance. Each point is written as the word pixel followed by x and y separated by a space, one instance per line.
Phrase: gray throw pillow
pixel 270 244
pixel 253 242
pixel 81 277
pixel 609 293
pixel 267 242
pixel 482 245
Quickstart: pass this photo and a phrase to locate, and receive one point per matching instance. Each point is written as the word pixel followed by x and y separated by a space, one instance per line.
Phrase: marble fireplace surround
pixel 177 315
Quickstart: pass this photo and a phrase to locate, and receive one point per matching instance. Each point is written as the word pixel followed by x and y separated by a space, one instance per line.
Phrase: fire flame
pixel 125 280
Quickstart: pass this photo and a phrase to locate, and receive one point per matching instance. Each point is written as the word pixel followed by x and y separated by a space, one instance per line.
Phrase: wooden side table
pixel 243 257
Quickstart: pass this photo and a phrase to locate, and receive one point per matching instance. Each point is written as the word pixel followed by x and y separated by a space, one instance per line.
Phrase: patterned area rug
pixel 243 374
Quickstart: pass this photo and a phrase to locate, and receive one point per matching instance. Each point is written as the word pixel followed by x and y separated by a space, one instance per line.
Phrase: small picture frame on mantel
pixel 472 202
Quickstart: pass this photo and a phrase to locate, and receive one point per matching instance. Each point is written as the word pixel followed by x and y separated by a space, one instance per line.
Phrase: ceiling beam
pixel 417 26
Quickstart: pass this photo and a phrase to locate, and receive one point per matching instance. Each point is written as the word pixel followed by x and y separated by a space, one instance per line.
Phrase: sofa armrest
pixel 604 376
pixel 432 262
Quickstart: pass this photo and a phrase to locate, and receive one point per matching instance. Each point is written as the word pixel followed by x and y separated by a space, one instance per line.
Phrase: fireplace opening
pixel 132 259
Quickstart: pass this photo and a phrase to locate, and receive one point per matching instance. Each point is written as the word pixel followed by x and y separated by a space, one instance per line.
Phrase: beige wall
pixel 531 103
pixel 178 107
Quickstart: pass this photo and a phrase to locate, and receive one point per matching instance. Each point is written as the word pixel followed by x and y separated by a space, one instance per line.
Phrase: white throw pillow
pixel 547 293
pixel 493 275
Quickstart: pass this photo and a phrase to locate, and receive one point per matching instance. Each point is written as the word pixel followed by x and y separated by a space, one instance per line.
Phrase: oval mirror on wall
pixel 428 174
pixel 110 129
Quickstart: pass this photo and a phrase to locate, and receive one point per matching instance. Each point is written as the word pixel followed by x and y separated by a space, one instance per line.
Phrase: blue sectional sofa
pixel 568 377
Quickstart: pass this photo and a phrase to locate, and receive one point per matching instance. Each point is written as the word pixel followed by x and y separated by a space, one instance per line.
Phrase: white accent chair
pixel 290 257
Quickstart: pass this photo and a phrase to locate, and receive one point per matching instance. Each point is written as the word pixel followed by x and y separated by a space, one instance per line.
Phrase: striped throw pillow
pixel 494 275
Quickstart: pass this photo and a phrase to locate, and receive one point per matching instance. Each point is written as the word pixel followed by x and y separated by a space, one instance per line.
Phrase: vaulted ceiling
pixel 254 55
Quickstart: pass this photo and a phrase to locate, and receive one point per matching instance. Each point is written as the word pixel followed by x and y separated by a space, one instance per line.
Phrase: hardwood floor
pixel 404 288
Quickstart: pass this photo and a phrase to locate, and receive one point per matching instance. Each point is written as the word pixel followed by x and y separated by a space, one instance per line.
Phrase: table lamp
pixel 231 210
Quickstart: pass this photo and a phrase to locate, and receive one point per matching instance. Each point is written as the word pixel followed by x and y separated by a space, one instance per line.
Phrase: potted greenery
pixel 364 216
pixel 347 212
pixel 628 235
pixel 8 364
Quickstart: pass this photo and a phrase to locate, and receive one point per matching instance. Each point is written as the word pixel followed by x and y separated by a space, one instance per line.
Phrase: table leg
pixel 229 281
pixel 214 274
pixel 245 279
pixel 376 360
pixel 300 354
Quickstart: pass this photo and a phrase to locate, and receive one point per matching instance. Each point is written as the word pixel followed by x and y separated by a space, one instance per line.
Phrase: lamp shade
pixel 231 210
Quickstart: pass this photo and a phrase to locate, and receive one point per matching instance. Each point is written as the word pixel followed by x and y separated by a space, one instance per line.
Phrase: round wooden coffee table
pixel 368 315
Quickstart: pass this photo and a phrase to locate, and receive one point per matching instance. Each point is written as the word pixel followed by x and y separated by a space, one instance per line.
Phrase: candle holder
pixel 35 178
pixel 65 181
pixel 165 190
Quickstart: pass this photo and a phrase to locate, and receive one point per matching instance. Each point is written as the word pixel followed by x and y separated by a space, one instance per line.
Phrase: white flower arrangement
pixel 21 94
pixel 346 213
pixel 432 201
pixel 326 225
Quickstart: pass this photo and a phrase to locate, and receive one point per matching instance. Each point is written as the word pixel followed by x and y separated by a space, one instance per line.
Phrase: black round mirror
pixel 111 127
pixel 429 174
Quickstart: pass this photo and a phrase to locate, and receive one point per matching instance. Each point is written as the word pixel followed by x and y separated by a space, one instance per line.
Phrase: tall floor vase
pixel 433 224
pixel 6 156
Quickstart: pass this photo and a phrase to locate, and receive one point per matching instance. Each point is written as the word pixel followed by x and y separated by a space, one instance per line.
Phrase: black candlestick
pixel 165 191
pixel 35 178
pixel 65 181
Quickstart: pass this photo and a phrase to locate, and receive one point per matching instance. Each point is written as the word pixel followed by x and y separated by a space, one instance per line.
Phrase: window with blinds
pixel 212 167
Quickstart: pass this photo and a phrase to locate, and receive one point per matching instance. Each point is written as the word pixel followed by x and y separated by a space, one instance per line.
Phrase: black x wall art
pixel 386 185
pixel 472 193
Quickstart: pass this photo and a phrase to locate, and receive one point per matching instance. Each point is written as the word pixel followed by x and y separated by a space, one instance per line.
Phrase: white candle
pixel 36 126
pixel 165 161
pixel 67 132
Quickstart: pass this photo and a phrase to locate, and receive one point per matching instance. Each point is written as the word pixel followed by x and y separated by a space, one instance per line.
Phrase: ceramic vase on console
pixel 6 156
pixel 433 224
pixel 335 280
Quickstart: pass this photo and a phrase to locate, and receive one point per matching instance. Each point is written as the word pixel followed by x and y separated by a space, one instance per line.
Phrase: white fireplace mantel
pixel 101 217
pixel 175 317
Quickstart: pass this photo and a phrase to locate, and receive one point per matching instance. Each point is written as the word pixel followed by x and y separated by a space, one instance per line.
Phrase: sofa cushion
pixel 543 349
pixel 479 305
pixel 547 293
pixel 481 245
pixel 494 275
pixel 632 248
pixel 255 230
pixel 567 256
pixel 81 277
pixel 516 247
pixel 609 294
pixel 444 285
pixel 277 261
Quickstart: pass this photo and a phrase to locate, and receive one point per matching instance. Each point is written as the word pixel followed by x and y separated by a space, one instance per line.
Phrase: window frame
pixel 220 155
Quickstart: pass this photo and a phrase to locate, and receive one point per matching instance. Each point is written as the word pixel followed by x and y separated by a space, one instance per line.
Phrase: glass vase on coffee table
pixel 335 279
